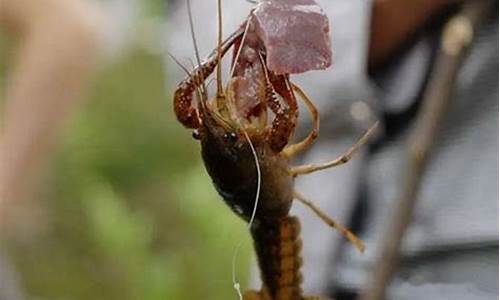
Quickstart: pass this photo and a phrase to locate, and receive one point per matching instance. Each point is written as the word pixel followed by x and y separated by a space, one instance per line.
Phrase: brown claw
pixel 283 125
pixel 184 110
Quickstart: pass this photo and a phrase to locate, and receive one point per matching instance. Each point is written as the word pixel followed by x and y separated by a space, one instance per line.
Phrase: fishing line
pixel 241 45
pixel 236 284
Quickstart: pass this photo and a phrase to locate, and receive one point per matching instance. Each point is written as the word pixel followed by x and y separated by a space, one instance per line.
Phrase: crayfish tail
pixel 278 245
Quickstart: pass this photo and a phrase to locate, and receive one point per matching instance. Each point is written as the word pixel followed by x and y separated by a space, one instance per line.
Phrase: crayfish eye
pixel 196 134
pixel 230 137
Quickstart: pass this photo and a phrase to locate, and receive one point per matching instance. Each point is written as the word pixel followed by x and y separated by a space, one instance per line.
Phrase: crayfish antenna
pixel 243 39
pixel 330 222
pixel 179 63
pixel 220 90
pixel 201 93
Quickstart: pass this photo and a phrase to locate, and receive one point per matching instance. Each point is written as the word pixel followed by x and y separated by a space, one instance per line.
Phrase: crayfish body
pixel 244 134
pixel 229 160
pixel 237 117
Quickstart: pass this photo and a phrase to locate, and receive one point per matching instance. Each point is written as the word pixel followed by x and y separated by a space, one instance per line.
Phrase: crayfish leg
pixel 292 150
pixel 344 158
pixel 332 223
pixel 285 120
pixel 255 295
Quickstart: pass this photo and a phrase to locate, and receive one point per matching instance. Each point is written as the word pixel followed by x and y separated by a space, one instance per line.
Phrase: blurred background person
pixel 55 53
pixel 56 45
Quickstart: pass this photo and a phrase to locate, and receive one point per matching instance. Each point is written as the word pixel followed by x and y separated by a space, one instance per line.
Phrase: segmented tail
pixel 278 245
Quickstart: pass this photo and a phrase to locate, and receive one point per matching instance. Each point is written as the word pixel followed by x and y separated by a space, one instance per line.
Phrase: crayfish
pixel 244 132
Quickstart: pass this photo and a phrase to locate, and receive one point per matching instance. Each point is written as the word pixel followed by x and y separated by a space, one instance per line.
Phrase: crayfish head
pixel 229 161
pixel 225 135
pixel 236 150
pixel 240 111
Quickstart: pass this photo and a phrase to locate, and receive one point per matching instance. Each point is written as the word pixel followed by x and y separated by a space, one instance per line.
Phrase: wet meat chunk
pixel 295 34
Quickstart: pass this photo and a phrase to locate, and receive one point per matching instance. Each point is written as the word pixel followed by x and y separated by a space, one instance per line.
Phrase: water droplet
pixel 238 209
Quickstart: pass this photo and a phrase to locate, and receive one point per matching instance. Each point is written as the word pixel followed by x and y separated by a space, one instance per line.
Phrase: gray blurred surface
pixel 455 222
pixel 439 291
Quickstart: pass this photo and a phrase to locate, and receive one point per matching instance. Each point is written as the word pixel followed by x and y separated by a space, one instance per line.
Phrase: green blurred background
pixel 129 211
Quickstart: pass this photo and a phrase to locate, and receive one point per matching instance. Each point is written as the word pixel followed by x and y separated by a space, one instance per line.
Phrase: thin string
pixel 241 46
pixel 236 284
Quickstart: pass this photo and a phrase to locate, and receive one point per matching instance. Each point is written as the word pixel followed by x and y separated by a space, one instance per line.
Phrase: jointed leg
pixel 344 158
pixel 183 97
pixel 295 149
pixel 185 112
pixel 330 222
pixel 256 295
pixel 285 119
pixel 252 295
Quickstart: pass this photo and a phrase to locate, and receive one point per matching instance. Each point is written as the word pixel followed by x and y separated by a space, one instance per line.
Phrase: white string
pixel 257 165
pixel 241 46
pixel 236 284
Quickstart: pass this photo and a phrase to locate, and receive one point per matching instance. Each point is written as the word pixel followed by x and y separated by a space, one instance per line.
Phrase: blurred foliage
pixel 131 211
